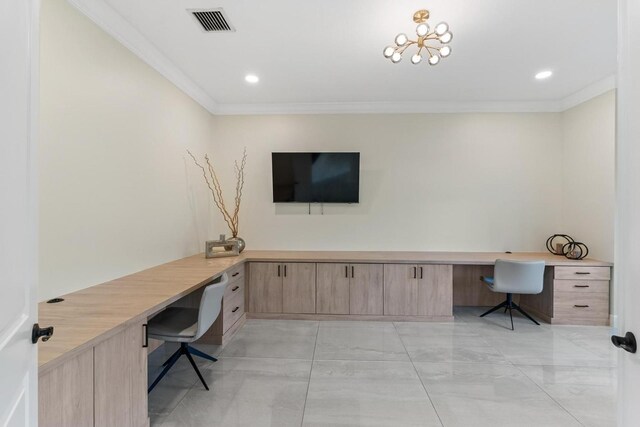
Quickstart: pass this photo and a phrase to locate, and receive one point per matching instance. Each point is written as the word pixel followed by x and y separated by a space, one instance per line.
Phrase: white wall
pixel 588 184
pixel 116 195
pixel 477 182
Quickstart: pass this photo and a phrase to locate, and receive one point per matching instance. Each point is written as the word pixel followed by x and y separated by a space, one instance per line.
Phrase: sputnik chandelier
pixel 432 44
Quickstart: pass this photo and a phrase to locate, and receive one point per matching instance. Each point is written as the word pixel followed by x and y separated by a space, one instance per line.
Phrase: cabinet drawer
pixel 233 310
pixel 582 273
pixel 236 272
pixel 581 286
pixel 234 288
pixel 592 305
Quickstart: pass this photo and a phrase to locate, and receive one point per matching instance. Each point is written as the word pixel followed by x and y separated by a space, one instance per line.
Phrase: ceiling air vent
pixel 213 20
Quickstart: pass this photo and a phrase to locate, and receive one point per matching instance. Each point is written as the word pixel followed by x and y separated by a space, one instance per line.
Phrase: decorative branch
pixel 212 181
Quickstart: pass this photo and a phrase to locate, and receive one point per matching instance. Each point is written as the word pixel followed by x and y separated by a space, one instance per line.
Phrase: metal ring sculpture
pixel 575 250
pixel 550 240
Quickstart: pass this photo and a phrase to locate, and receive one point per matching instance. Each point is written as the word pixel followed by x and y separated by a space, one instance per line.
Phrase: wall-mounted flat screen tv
pixel 316 177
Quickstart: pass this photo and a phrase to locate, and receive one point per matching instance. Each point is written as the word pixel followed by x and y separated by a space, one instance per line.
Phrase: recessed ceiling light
pixel 251 78
pixel 544 74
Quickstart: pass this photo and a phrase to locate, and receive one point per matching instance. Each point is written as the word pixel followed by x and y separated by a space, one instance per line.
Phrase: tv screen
pixel 316 177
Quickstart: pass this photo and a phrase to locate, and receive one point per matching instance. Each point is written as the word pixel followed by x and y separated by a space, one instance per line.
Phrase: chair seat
pixel 177 324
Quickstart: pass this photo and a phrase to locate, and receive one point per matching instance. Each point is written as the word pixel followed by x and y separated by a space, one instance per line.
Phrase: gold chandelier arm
pixel 429 49
pixel 404 47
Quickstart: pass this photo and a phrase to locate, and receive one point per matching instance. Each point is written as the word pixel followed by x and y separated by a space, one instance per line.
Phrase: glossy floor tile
pixel 246 392
pixel 359 341
pixel 469 372
pixel 274 338
pixel 366 393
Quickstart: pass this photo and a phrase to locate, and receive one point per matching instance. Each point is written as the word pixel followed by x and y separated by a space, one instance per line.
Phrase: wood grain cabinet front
pixel 418 290
pixel 65 393
pixel 332 288
pixel 105 385
pixel 120 379
pixel 282 287
pixel 265 287
pixel 350 289
pixel 435 290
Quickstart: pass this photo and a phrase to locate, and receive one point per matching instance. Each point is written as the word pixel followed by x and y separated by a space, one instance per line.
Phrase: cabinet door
pixel 265 287
pixel 65 393
pixel 120 379
pixel 366 289
pixel 299 287
pixel 400 289
pixel 435 290
pixel 333 288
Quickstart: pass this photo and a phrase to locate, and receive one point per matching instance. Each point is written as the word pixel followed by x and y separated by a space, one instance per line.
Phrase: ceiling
pixel 330 51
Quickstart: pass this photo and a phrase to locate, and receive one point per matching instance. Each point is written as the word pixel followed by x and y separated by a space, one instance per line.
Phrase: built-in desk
pixel 98 347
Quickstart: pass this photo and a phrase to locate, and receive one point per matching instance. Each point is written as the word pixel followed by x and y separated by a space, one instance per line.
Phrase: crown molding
pixel 119 28
pixel 390 108
pixel 589 92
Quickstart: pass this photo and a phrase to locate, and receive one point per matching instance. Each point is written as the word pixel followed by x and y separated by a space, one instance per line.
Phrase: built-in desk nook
pixel 98 353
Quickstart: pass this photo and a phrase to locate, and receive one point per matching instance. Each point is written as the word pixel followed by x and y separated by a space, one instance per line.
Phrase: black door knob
pixel 38 332
pixel 627 343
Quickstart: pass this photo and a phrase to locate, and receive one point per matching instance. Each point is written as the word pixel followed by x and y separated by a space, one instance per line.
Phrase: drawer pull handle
pixel 235 309
pixel 580 286
pixel 581 305
pixel 583 272
pixel 235 288
pixel 145 336
pixel 235 274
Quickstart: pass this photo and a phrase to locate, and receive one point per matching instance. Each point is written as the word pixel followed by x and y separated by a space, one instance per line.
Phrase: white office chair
pixel 186 325
pixel 515 277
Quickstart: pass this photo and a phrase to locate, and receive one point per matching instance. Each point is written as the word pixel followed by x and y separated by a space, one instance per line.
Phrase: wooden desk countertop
pixel 91 315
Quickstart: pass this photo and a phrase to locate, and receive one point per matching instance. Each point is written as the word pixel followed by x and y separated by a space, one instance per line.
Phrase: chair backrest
pixel 210 304
pixel 518 277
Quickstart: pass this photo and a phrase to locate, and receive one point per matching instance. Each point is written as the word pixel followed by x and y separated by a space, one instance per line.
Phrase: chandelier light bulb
pixel 388 51
pixel 422 30
pixel 446 37
pixel 401 39
pixel 442 28
pixel 428 44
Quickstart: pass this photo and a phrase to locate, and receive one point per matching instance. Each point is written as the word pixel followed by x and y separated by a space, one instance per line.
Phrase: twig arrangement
pixel 232 219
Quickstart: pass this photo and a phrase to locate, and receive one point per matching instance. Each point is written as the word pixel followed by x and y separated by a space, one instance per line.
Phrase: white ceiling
pixel 330 51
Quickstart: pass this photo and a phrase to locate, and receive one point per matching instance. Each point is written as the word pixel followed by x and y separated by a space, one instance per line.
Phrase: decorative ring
pixel 550 240
pixel 575 250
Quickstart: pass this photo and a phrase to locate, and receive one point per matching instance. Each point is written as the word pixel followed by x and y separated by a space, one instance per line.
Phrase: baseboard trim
pixel 381 318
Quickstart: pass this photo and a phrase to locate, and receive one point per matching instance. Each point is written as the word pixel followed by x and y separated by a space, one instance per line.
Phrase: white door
pixel 627 265
pixel 18 249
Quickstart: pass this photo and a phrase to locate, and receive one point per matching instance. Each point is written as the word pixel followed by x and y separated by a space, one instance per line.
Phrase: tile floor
pixel 469 372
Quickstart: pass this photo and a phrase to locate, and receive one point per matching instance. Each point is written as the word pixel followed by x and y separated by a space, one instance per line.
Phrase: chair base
pixel 510 305
pixel 187 350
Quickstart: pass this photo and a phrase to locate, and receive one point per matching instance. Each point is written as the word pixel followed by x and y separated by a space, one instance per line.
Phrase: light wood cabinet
pixel 265 287
pixel 282 287
pixel 65 393
pixel 105 385
pixel 366 285
pixel 435 290
pixel 299 287
pixel 418 290
pixel 400 289
pixel 350 288
pixel 120 379
pixel 332 288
